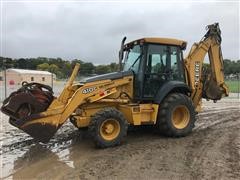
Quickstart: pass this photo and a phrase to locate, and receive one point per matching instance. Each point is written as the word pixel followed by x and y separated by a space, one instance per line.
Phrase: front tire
pixel 176 116
pixel 108 127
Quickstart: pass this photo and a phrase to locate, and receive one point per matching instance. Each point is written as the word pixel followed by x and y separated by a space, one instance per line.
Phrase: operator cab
pixel 154 61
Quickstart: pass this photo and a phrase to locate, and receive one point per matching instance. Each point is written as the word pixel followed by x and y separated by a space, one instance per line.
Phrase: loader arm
pixel 42 126
pixel 206 83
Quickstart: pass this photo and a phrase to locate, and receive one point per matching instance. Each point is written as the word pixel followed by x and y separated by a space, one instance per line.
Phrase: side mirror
pixel 121 53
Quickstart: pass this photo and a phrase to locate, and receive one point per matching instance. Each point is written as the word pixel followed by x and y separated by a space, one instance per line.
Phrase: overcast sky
pixel 93 31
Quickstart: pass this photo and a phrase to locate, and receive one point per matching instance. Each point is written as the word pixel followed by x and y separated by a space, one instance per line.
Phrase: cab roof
pixel 167 41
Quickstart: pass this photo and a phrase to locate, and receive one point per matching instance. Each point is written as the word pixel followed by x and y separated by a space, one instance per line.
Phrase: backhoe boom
pixel 206 83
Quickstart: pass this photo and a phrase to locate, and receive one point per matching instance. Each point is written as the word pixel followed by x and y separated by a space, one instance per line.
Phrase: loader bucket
pixel 40 132
pixel 41 129
pixel 35 110
pixel 24 107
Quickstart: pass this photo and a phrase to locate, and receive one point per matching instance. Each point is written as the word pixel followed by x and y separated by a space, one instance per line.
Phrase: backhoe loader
pixel 155 86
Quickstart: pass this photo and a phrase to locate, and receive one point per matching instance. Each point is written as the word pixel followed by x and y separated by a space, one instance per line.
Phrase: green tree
pixel 231 67
pixel 114 67
pixel 76 61
pixel 6 63
pixel 22 63
pixel 86 68
pixel 102 69
pixel 53 68
pixel 43 67
pixel 66 69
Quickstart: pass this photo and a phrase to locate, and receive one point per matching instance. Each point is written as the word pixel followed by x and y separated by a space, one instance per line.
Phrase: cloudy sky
pixel 92 31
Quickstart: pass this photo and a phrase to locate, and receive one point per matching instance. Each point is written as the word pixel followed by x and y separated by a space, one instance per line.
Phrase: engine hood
pixel 111 76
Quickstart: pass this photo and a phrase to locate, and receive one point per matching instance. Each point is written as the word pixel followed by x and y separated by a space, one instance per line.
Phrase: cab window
pixel 132 59
pixel 163 63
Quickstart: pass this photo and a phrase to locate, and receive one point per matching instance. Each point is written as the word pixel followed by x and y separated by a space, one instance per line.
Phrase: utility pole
pixel 52 81
pixel 5 81
pixel 238 79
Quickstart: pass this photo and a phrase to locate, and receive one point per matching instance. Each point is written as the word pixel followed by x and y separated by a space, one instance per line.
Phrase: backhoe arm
pixel 206 83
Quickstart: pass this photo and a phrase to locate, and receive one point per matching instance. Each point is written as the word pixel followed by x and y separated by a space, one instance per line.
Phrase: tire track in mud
pixel 212 151
pixel 21 140
pixel 193 157
pixel 210 119
pixel 214 157
pixel 234 152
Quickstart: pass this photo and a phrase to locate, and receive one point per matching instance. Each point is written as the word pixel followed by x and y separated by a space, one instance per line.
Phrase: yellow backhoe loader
pixel 155 85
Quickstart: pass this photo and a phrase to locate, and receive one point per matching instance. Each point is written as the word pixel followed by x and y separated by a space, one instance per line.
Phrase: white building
pixel 17 76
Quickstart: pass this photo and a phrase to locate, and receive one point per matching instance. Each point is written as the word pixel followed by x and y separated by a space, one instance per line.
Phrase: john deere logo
pixel 89 90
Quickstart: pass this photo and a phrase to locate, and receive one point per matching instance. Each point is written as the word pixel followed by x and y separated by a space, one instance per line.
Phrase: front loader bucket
pixel 42 129
pixel 24 107
pixel 35 110
pixel 42 133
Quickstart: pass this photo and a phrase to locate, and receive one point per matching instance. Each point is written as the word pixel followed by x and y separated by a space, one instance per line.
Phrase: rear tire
pixel 108 127
pixel 176 116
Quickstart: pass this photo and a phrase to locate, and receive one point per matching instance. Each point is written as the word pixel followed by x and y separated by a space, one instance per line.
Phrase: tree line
pixel 231 67
pixel 63 68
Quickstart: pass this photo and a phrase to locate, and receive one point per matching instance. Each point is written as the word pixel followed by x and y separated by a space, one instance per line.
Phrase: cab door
pixel 163 63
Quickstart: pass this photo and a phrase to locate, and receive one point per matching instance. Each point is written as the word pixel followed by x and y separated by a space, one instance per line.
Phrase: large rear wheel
pixel 176 116
pixel 108 127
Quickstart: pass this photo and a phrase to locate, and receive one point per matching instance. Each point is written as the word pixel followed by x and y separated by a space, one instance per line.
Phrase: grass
pixel 234 86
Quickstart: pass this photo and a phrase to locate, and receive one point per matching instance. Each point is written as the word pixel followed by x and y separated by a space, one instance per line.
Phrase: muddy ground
pixel 212 151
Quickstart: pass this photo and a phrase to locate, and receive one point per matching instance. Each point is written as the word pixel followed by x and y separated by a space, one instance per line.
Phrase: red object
pixel 11 82
pixel 101 93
